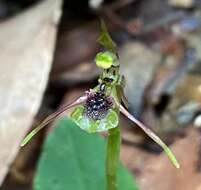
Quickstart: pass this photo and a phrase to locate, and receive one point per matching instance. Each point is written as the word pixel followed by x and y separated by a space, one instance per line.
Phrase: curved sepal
pixel 52 117
pixel 152 135
pixel 92 126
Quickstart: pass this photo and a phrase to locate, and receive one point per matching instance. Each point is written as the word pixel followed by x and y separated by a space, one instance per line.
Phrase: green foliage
pixel 73 159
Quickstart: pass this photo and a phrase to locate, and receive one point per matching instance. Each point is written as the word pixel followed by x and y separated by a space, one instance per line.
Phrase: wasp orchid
pixel 99 108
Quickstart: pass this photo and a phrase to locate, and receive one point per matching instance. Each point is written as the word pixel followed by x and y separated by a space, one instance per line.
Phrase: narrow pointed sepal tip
pixel 174 161
pixel 24 142
pixel 28 137
pixel 177 165
pixel 169 153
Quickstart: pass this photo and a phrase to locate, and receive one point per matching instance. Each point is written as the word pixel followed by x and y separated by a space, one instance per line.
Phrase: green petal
pixel 92 126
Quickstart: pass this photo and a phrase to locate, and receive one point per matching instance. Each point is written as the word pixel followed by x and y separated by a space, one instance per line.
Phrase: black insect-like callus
pixel 97 105
pixel 98 114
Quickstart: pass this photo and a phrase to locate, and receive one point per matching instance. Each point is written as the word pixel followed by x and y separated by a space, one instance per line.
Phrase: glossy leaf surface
pixel 74 160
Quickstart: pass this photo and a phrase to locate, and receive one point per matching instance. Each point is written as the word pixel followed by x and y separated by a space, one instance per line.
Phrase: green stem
pixel 112 158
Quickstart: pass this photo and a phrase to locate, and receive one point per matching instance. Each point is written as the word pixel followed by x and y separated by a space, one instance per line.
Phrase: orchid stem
pixel 112 157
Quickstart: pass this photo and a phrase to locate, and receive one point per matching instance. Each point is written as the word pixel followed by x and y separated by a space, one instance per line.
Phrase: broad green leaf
pixel 91 126
pixel 74 160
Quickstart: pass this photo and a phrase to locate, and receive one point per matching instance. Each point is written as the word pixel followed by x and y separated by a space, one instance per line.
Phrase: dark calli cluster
pixel 97 105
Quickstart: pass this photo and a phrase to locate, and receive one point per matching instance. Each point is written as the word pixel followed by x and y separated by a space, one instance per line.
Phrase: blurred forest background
pixel 47 51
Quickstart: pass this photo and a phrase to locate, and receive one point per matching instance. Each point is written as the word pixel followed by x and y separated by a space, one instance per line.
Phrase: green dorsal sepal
pixel 105 40
pixel 106 59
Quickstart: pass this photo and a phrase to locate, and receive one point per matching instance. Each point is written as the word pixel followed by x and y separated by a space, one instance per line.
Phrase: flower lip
pixel 97 105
